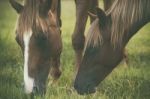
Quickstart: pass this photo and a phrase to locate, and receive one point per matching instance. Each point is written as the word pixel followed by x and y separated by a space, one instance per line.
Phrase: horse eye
pixel 43 38
pixel 39 39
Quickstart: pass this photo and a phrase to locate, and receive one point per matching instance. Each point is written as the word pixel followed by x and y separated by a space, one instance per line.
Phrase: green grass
pixel 132 82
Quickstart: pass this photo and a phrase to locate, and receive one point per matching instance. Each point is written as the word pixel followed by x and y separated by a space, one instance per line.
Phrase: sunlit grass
pixel 132 82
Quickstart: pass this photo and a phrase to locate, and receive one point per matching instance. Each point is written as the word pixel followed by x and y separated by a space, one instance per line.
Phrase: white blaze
pixel 27 79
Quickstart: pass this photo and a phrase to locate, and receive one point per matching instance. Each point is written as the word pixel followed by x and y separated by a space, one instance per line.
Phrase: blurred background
pixel 127 81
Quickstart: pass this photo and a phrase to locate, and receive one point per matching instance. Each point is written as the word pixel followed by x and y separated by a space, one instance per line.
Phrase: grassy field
pixel 125 82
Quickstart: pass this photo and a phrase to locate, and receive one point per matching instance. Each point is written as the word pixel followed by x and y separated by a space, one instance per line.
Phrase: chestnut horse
pixel 38 35
pixel 106 39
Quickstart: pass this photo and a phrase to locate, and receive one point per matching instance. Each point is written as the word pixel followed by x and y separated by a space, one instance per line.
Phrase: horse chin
pixel 84 88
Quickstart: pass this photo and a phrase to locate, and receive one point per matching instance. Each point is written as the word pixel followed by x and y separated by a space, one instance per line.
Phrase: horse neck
pixel 133 29
pixel 127 17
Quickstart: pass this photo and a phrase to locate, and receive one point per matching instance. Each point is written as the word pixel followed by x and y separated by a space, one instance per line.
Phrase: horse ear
pixel 45 7
pixel 101 15
pixel 18 7
pixel 92 15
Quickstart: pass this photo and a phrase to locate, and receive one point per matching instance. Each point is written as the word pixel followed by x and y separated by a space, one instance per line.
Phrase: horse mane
pixel 30 18
pixel 124 13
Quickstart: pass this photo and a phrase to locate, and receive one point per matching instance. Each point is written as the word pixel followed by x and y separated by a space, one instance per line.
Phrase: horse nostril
pixel 22 85
pixel 35 90
pixel 38 91
pixel 76 86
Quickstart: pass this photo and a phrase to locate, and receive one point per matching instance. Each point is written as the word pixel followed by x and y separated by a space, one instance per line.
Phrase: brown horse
pixel 38 35
pixel 82 9
pixel 107 37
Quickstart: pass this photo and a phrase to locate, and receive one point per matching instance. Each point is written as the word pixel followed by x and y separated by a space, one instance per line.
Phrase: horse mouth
pixel 86 91
pixel 37 90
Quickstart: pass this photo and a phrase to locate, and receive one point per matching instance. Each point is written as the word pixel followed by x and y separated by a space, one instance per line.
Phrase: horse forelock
pixel 125 13
pixel 30 19
pixel 94 37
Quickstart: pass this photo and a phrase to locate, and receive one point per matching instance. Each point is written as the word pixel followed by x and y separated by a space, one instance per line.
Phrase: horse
pixel 83 9
pixel 38 35
pixel 106 39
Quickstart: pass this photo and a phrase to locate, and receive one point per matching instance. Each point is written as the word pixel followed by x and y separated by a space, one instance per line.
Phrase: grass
pixel 132 82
